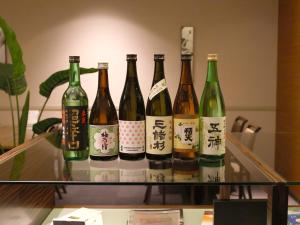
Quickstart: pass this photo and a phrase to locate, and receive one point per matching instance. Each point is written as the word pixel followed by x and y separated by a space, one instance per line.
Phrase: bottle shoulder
pixel 75 95
pixel 131 105
pixel 160 105
pixel 212 101
pixel 186 101
pixel 103 112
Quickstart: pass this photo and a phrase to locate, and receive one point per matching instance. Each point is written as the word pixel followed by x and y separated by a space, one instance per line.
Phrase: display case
pixel 34 178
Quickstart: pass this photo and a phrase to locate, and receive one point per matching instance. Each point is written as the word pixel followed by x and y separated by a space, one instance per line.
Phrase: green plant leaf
pixel 17 167
pixel 17 85
pixel 43 125
pixel 16 78
pixel 24 119
pixel 59 78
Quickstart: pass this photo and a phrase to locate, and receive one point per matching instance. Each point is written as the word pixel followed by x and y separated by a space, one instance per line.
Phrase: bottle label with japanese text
pixel 104 140
pixel 186 133
pixel 132 136
pixel 157 88
pixel 75 128
pixel 159 135
pixel 212 135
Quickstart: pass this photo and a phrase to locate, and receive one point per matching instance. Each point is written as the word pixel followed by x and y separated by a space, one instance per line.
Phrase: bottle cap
pixel 186 56
pixel 212 57
pixel 74 59
pixel 131 57
pixel 102 65
pixel 159 56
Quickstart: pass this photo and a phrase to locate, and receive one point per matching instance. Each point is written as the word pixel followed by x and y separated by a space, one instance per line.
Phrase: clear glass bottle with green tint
pixel 212 115
pixel 75 116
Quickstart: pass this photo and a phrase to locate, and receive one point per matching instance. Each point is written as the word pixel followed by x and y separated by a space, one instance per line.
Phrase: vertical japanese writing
pixel 104 140
pixel 214 140
pixel 159 134
pixel 188 134
pixel 74 142
pixel 74 128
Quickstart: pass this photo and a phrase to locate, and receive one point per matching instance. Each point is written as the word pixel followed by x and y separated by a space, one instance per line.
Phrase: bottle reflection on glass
pixel 77 170
pixel 185 170
pixel 133 171
pixel 104 171
pixel 159 171
pixel 212 171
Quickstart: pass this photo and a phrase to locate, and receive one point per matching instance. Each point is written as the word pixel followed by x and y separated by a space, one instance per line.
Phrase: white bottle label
pixel 212 135
pixel 132 136
pixel 159 135
pixel 186 133
pixel 157 88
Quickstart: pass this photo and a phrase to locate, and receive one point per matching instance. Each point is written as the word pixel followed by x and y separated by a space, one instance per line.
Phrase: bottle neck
pixel 186 73
pixel 103 81
pixel 212 73
pixel 74 79
pixel 159 73
pixel 131 69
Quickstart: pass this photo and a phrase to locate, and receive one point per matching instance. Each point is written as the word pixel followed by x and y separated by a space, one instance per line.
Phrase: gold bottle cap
pixel 212 57
pixel 102 65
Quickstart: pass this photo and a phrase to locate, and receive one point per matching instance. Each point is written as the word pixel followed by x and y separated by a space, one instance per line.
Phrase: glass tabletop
pixel 39 161
pixel 266 145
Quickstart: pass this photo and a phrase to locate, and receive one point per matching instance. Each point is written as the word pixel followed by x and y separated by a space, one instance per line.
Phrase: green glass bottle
pixel 212 115
pixel 132 116
pixel 103 125
pixel 159 129
pixel 75 116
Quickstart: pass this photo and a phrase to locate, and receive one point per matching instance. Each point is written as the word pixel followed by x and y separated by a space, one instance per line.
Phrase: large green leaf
pixel 59 78
pixel 43 125
pixel 17 167
pixel 16 79
pixel 24 119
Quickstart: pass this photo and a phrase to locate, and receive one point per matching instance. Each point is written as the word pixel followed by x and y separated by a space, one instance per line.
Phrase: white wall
pixel 244 33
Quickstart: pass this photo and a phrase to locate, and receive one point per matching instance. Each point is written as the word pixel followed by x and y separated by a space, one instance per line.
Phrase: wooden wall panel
pixel 25 204
pixel 287 155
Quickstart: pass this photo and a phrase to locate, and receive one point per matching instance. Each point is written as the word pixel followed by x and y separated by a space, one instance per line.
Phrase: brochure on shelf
pixel 154 217
pixel 82 216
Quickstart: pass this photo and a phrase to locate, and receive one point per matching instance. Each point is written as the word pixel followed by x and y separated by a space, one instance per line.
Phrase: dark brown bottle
pixel 103 128
pixel 186 115
pixel 159 115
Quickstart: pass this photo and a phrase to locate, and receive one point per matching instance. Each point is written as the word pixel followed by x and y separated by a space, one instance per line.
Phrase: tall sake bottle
pixel 104 125
pixel 186 117
pixel 132 115
pixel 75 116
pixel 212 114
pixel 159 115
